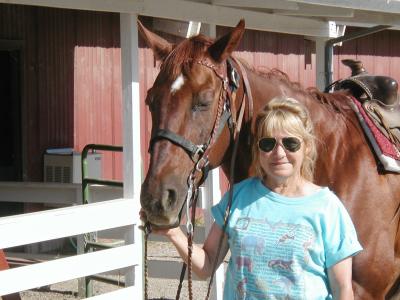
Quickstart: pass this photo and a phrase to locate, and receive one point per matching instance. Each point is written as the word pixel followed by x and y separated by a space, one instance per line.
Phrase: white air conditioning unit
pixel 66 167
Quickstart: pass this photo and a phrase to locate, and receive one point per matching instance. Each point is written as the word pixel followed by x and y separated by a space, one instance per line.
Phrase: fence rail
pixel 63 222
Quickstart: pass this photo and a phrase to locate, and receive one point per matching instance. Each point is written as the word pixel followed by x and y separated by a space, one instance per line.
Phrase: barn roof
pixel 305 17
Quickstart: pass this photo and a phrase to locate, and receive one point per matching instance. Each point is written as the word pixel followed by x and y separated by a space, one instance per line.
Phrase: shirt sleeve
pixel 341 237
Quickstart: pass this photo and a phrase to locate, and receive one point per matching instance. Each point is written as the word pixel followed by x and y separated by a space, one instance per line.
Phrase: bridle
pixel 199 154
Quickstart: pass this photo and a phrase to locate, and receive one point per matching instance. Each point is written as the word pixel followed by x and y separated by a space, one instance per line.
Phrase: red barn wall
pixel 70 81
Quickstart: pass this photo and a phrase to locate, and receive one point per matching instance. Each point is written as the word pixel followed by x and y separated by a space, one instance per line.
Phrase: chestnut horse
pixel 185 103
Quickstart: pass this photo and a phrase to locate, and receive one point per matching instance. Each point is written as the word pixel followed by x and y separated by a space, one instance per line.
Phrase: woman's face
pixel 280 163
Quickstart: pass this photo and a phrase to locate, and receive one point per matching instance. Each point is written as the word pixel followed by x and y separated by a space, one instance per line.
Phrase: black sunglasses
pixel 267 144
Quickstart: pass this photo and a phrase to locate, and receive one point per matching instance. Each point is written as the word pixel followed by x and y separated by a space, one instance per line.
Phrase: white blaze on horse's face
pixel 177 84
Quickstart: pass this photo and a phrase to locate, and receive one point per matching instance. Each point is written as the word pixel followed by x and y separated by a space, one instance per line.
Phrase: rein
pixel 226 113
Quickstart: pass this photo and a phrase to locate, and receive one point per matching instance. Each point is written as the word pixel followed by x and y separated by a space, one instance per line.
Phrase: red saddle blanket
pixel 387 153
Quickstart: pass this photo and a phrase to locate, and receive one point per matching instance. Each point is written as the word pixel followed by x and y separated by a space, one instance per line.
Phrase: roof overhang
pixel 305 17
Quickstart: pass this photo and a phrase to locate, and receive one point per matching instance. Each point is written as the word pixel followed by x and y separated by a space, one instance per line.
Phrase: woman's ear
pixel 307 148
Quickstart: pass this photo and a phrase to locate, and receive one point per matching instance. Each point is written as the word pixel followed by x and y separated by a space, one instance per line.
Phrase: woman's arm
pixel 340 280
pixel 202 258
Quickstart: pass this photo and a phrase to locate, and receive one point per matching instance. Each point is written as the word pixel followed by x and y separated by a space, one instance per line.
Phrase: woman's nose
pixel 279 149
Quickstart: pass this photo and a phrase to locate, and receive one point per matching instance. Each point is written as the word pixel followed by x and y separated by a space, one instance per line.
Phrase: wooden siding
pixel 97 79
pixel 70 81
pixel 291 54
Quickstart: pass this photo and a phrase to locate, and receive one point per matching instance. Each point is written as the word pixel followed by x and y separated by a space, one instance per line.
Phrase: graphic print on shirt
pixel 243 293
pixel 270 257
pixel 244 262
pixel 252 242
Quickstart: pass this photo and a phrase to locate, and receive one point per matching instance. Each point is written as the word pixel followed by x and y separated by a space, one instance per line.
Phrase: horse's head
pixel 187 98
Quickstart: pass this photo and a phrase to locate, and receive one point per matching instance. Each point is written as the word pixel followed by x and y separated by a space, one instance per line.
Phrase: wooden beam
pixel 178 28
pixel 195 11
pixel 266 4
pixel 371 5
pixel 369 19
pixel 317 11
pixel 131 136
pixel 193 29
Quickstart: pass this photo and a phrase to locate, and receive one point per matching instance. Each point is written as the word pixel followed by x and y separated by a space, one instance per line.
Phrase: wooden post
pixel 131 135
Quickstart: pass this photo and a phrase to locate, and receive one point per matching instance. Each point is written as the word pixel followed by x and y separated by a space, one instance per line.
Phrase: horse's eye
pixel 203 100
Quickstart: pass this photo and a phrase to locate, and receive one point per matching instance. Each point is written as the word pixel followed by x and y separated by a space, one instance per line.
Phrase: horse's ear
pixel 161 48
pixel 222 48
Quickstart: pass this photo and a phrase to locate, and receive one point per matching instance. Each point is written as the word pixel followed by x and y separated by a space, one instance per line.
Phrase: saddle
pixel 378 96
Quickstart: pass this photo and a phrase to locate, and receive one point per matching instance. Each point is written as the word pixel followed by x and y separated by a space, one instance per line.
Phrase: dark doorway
pixel 10 116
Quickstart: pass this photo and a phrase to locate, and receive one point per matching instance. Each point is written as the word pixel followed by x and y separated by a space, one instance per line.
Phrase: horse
pixel 185 105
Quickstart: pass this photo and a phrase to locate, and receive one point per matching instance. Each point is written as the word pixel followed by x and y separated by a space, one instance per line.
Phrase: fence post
pixel 131 140
pixel 211 196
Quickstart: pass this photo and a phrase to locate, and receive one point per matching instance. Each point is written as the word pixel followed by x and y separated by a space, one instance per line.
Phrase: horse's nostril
pixel 169 199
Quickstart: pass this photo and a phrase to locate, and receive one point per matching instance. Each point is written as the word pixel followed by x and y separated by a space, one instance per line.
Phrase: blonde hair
pixel 287 115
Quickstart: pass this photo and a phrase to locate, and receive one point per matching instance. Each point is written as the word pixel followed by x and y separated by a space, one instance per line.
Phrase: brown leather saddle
pixel 378 95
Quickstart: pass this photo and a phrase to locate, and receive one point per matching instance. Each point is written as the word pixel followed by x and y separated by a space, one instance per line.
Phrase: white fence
pixel 63 222
pixel 111 214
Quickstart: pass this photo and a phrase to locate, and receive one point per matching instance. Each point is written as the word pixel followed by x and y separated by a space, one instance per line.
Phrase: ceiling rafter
pixel 196 11
pixel 387 6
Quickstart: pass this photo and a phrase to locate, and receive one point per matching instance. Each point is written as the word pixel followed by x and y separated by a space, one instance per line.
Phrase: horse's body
pixel 346 163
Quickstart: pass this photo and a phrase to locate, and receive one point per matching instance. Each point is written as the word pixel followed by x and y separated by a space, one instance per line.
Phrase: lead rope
pixel 235 136
pixel 189 230
pixel 228 207
pixel 192 191
pixel 147 230
pixel 190 252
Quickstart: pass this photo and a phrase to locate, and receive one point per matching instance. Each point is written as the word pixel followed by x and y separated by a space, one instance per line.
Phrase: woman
pixel 289 238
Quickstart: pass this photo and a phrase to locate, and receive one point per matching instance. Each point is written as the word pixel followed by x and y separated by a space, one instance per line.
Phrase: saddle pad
pixel 389 115
pixel 384 149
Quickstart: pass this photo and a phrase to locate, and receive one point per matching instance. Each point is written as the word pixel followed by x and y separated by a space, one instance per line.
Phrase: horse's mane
pixel 337 101
pixel 184 55
pixel 190 50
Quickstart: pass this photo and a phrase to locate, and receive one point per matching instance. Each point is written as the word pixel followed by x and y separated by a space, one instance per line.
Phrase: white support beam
pixel 131 135
pixel 178 28
pixel 265 4
pixel 387 6
pixel 317 11
pixel 193 29
pixel 212 197
pixel 195 11
pixel 370 19
pixel 320 63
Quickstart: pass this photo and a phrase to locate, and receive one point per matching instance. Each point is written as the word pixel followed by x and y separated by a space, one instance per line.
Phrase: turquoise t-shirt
pixel 281 247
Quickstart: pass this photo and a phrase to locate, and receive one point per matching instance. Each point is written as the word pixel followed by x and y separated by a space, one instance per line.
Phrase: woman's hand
pixel 167 232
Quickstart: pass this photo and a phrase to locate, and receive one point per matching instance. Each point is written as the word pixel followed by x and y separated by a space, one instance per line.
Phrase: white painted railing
pixel 63 222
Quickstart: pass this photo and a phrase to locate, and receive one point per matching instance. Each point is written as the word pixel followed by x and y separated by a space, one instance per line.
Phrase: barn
pixel 74 73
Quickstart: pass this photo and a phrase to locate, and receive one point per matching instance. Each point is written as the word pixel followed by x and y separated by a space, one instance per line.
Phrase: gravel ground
pixel 158 288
